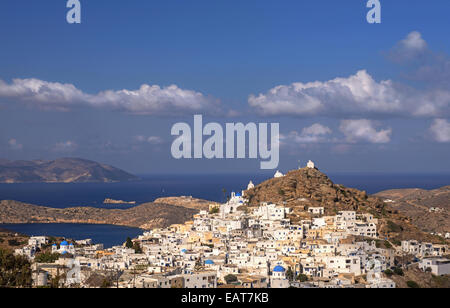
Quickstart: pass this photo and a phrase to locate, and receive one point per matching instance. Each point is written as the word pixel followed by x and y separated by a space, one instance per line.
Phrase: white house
pixel 438 267
pixel 37 241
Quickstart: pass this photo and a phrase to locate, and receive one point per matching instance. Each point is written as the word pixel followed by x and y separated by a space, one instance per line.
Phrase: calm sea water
pixel 209 187
pixel 106 234
pixel 146 190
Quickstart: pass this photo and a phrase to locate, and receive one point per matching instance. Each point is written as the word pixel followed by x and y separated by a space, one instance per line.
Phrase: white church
pixel 232 205
pixel 310 165
pixel 64 248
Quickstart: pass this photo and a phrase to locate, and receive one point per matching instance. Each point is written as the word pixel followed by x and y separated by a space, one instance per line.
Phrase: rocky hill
pixel 187 202
pixel 428 209
pixel 145 216
pixel 304 188
pixel 64 170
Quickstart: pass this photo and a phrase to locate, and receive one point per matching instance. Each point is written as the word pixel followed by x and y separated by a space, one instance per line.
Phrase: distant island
pixel 64 170
pixel 112 201
pixel 158 214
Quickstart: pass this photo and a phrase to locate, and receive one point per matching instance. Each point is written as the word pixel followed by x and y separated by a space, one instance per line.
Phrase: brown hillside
pixel 145 216
pixel 304 188
pixel 416 204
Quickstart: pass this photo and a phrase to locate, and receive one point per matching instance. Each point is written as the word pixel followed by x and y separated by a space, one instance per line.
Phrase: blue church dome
pixel 279 269
pixel 238 195
pixel 183 250
pixel 54 245
pixel 64 243
pixel 209 262
pixel 64 252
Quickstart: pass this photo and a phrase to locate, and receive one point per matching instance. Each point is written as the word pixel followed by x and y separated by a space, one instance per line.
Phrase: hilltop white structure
pixel 278 174
pixel 310 165
pixel 250 185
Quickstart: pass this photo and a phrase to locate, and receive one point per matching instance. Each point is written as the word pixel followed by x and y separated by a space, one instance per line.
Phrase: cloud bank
pixel 147 100
pixel 360 95
pixel 356 95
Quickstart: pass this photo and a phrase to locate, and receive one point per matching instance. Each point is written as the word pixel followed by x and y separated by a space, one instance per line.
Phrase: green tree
pixel 387 245
pixel 129 243
pixel 302 278
pixel 46 257
pixel 290 274
pixel 398 271
pixel 214 210
pixel 412 284
pixel 137 247
pixel 15 271
pixel 13 243
pixel 230 278
pixel 106 283
pixel 54 282
pixel 224 191
pixel 389 272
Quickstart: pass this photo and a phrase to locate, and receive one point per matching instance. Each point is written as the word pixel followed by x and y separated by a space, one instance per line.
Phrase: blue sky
pixel 224 58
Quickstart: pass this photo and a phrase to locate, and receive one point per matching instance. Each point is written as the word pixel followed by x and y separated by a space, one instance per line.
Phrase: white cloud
pixel 65 146
pixel 440 130
pixel 364 131
pixel 15 145
pixel 360 95
pixel 411 48
pixel 357 94
pixel 316 130
pixel 413 41
pixel 422 64
pixel 152 139
pixel 315 133
pixel 148 99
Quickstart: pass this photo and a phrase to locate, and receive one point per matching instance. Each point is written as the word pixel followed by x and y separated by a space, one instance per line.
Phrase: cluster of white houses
pixel 254 248
pixel 260 248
